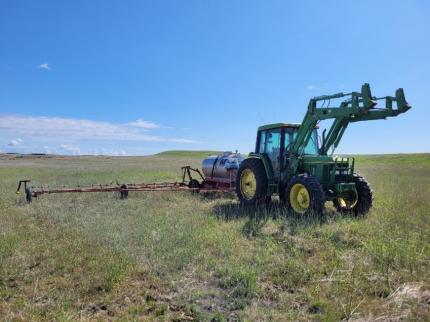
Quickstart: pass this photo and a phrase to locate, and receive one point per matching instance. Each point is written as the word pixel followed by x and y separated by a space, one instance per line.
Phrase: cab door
pixel 270 145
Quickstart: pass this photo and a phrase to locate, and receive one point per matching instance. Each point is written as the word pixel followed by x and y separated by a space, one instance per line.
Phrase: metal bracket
pixel 19 185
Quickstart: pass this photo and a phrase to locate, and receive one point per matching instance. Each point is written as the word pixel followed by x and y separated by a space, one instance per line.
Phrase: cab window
pixel 312 145
pixel 270 141
pixel 288 139
pixel 270 144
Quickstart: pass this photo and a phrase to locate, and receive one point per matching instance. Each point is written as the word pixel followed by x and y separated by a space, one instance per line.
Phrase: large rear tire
pixel 304 195
pixel 251 182
pixel 364 198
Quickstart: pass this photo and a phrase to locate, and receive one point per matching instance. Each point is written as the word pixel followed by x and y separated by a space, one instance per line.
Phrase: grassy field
pixel 177 256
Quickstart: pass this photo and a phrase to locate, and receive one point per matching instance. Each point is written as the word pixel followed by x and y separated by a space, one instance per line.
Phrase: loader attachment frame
pixel 359 106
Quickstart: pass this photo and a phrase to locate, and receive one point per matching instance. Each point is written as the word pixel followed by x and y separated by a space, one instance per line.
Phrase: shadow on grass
pixel 215 195
pixel 233 210
pixel 258 216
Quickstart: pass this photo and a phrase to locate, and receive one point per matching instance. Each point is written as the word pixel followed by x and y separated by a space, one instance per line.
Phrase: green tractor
pixel 289 161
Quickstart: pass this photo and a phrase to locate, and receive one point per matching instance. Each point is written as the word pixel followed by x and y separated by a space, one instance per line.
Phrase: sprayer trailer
pixel 289 161
pixel 219 175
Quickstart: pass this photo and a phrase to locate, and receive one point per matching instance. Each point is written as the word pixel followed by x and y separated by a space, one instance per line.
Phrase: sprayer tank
pixel 223 167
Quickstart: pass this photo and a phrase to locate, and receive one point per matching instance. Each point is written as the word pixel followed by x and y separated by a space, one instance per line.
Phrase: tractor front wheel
pixel 251 182
pixel 364 198
pixel 304 195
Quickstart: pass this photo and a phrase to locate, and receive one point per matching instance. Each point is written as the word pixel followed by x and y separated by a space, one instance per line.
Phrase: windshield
pixel 312 146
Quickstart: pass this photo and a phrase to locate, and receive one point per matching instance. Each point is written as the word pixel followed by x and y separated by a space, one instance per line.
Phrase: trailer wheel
pixel 304 195
pixel 194 184
pixel 251 182
pixel 29 194
pixel 124 193
pixel 364 201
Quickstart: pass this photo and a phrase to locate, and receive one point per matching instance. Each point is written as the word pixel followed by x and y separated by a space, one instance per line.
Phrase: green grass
pixel 178 256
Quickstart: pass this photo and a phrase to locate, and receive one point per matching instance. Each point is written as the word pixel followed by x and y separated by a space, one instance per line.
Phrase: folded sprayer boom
pixel 188 183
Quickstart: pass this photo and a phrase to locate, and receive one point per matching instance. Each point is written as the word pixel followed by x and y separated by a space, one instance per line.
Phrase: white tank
pixel 223 167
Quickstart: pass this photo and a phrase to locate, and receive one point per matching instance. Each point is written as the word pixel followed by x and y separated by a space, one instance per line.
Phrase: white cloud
pixel 57 128
pixel 119 152
pixel 75 150
pixel 47 150
pixel 318 87
pixel 104 151
pixel 45 66
pixel 144 124
pixel 15 142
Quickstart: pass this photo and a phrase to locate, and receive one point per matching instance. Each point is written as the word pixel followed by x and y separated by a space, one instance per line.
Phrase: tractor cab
pixel 275 141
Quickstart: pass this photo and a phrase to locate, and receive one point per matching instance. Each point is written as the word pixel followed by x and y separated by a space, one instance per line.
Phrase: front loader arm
pixel 360 106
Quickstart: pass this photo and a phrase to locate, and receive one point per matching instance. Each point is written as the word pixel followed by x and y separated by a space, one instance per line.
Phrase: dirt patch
pixel 205 294
pixel 409 302
pixel 411 292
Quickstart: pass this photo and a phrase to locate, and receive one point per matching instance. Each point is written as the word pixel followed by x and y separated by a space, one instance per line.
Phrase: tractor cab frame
pixel 274 140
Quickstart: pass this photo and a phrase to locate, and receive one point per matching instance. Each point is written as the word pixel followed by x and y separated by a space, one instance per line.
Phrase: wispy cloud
pixel 141 123
pixel 75 150
pixel 45 66
pixel 57 128
pixel 318 87
pixel 15 142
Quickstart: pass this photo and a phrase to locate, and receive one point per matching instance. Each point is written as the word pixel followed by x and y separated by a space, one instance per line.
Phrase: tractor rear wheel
pixel 364 198
pixel 304 195
pixel 251 182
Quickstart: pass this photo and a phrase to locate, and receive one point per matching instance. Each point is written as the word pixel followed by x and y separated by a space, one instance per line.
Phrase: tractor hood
pixel 318 158
pixel 332 162
pixel 329 170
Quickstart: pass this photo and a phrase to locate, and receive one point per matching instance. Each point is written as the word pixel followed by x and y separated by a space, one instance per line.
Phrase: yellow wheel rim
pixel 248 184
pixel 299 198
pixel 349 201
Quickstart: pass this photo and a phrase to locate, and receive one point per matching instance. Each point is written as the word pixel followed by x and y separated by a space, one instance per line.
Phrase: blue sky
pixel 139 77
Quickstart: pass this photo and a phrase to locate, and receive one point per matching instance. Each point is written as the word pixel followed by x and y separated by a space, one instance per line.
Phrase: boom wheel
pixel 124 191
pixel 194 185
pixel 29 194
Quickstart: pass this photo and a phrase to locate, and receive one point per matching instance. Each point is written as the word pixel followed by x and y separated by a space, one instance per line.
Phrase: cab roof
pixel 280 125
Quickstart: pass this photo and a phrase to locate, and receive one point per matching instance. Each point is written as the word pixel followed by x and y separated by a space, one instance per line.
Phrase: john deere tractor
pixel 290 161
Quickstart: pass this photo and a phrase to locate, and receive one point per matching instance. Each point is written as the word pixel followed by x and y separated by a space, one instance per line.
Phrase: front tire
pixel 364 198
pixel 251 182
pixel 304 195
